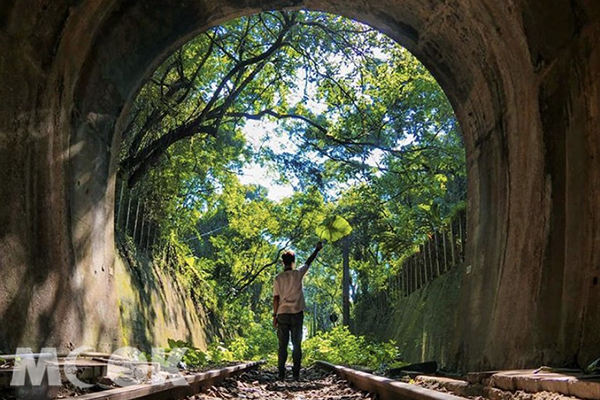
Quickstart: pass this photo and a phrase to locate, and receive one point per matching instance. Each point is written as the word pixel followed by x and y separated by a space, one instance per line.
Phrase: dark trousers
pixel 290 325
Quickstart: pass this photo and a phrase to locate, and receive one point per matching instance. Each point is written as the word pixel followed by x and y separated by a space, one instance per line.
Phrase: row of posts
pixel 444 250
pixel 131 218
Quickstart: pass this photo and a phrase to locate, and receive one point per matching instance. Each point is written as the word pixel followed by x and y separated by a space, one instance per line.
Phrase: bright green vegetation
pixel 356 125
pixel 338 346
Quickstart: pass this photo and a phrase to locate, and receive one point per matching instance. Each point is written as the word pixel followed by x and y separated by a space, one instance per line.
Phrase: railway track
pixel 245 381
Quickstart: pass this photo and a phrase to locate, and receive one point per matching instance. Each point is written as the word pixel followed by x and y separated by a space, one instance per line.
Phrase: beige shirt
pixel 288 286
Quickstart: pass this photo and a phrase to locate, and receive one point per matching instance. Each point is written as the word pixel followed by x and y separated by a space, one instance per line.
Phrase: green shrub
pixel 193 358
pixel 340 346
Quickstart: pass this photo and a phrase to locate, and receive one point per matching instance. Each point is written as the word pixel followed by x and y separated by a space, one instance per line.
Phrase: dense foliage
pixel 356 125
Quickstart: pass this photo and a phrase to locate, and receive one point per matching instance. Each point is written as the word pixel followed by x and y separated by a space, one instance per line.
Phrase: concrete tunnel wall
pixel 522 75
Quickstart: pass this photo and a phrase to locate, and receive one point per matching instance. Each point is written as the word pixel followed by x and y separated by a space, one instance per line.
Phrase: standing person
pixel 288 309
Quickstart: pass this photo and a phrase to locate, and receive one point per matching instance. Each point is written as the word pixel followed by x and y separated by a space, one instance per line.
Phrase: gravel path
pixel 262 384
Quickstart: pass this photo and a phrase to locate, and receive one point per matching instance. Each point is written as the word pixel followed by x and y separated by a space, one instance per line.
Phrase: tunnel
pixel 522 75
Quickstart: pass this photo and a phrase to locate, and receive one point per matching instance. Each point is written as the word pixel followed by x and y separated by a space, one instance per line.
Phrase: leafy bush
pixel 340 346
pixel 256 342
pixel 193 358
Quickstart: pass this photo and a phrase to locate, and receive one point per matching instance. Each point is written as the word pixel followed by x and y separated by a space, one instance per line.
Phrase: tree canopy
pixel 364 132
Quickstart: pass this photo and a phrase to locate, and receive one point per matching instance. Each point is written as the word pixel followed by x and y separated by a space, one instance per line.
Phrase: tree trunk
pixel 346 283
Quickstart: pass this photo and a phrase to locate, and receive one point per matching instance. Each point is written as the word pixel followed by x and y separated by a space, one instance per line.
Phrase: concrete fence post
pixel 141 241
pixel 128 212
pixel 120 205
pixel 460 232
pixel 137 216
pixel 437 254
pixel 445 250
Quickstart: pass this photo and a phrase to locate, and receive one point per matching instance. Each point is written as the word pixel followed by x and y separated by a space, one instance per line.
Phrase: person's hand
pixel 274 321
pixel 319 246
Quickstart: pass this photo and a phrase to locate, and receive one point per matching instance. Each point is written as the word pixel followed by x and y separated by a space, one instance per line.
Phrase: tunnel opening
pixel 356 123
pixel 472 81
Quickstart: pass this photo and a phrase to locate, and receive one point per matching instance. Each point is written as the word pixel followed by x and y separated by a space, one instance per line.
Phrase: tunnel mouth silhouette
pixel 112 80
pixel 114 74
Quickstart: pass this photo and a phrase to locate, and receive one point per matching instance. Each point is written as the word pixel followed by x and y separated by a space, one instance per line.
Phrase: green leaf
pixel 190 261
pixel 425 207
pixel 333 229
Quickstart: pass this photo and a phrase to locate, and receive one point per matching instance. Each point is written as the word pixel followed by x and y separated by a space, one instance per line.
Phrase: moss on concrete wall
pixel 423 324
pixel 154 307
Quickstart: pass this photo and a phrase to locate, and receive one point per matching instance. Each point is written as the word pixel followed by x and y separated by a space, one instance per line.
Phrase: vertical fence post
pixel 445 251
pixel 416 273
pixel 430 256
pixel 407 283
pixel 419 266
pixel 135 225
pixel 405 278
pixel 421 269
pixel 409 280
pixel 437 253
pixel 120 205
pixel 128 213
pixel 452 243
pixel 148 236
pixel 460 232
pixel 142 228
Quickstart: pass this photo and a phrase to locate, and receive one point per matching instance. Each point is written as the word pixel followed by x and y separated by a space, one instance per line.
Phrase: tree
pixel 374 139
pixel 246 69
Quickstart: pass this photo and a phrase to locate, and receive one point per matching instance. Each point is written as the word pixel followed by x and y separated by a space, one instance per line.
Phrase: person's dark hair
pixel 288 258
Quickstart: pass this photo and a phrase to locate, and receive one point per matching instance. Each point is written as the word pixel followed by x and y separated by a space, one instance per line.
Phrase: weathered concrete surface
pixel 423 324
pixel 533 381
pixel 523 76
pixel 154 308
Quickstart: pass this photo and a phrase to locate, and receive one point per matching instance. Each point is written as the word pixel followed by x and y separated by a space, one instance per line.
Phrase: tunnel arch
pixel 472 77
pixel 502 65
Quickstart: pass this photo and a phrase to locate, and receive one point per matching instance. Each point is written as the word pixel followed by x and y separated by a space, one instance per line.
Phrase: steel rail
pixel 169 390
pixel 386 389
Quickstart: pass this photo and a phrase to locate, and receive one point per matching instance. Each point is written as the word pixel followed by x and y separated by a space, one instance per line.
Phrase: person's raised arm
pixel 314 254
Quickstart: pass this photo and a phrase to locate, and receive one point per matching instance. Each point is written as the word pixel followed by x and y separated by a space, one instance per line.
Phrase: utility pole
pixel 346 282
